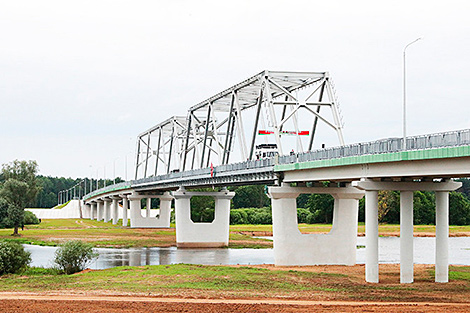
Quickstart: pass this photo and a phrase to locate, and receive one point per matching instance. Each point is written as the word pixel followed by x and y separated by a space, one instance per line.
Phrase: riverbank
pixel 265 288
pixel 100 234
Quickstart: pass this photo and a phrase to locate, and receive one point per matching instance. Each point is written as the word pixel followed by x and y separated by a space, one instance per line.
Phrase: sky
pixel 79 80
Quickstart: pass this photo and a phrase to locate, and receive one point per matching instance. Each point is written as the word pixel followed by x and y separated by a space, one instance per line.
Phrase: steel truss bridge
pixel 269 102
pixel 215 144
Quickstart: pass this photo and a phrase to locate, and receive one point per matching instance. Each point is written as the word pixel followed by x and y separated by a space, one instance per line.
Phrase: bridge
pixel 183 153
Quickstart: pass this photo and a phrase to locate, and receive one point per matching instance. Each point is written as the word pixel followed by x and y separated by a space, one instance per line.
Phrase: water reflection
pixel 389 252
pixel 43 256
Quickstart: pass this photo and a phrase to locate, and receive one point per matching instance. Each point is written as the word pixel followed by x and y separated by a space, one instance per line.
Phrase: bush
pixel 13 257
pixel 73 256
pixel 30 218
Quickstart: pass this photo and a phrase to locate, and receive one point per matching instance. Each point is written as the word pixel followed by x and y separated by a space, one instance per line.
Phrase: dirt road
pixel 12 302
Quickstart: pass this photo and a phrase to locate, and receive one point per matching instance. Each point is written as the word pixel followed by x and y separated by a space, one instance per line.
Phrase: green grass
pixel 166 277
pixel 243 282
pixel 459 273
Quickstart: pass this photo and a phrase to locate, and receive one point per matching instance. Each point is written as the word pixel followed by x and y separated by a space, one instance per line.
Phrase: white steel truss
pixel 159 148
pixel 230 122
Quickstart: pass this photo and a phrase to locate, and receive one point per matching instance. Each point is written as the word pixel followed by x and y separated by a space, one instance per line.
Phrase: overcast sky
pixel 79 80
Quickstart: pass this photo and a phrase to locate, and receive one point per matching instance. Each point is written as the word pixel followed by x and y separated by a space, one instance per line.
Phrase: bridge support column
pixel 406 225
pixel 93 211
pixel 202 235
pixel 442 237
pixel 372 237
pixel 406 237
pixel 114 209
pixel 125 207
pixel 107 210
pixel 100 210
pixel 163 220
pixel 294 248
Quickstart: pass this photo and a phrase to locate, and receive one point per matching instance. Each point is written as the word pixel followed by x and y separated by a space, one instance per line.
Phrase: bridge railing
pixel 439 140
pixel 390 145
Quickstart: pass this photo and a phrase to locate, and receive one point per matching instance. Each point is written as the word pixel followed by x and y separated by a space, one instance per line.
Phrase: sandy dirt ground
pixel 42 304
pixel 425 296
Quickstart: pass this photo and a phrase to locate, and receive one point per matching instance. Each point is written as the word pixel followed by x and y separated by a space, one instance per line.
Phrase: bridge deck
pixel 372 159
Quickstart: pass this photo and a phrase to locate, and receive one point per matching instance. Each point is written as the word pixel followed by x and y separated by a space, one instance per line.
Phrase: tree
pixel 321 207
pixel 388 202
pixel 252 196
pixel 459 209
pixel 19 189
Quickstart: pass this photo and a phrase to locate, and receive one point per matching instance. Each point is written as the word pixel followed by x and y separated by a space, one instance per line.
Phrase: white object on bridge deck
pixel 202 235
pixel 137 221
pixel 293 248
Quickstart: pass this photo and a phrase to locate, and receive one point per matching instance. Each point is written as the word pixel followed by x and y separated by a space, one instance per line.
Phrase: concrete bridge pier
pixel 93 211
pixel 202 235
pixel 406 189
pixel 294 248
pixel 125 207
pixel 138 221
pixel 100 210
pixel 107 210
pixel 114 209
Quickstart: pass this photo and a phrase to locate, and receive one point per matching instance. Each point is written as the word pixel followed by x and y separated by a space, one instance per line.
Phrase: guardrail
pixel 438 140
pixel 390 145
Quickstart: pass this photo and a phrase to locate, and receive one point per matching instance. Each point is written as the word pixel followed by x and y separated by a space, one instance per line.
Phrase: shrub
pixel 13 257
pixel 30 218
pixel 73 256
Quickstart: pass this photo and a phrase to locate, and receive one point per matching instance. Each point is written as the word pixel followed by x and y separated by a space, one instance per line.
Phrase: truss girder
pixel 227 123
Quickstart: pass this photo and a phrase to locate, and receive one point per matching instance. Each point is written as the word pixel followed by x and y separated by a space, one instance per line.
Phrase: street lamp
pixel 404 91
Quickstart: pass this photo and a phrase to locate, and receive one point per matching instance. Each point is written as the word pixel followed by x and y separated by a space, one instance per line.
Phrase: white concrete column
pixel 93 211
pixel 99 216
pixel 406 237
pixel 107 209
pixel 125 207
pixel 442 236
pixel 114 209
pixel 202 235
pixel 148 207
pixel 372 237
pixel 165 209
pixel 135 209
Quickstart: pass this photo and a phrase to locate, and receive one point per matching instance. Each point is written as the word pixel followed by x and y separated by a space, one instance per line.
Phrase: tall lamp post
pixel 404 91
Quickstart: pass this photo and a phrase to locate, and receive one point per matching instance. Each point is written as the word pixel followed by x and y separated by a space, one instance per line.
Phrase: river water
pixel 389 252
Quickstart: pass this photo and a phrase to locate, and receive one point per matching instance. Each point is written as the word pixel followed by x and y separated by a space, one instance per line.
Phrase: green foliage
pixel 321 207
pixel 424 208
pixel 73 256
pixel 13 257
pixel 30 218
pixel 459 209
pixel 252 196
pixel 19 188
pixel 303 215
pixel 251 216
pixel 202 208
pixel 5 222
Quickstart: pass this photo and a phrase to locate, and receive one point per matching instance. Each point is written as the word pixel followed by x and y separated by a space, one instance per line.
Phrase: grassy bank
pixel 342 283
pixel 100 234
